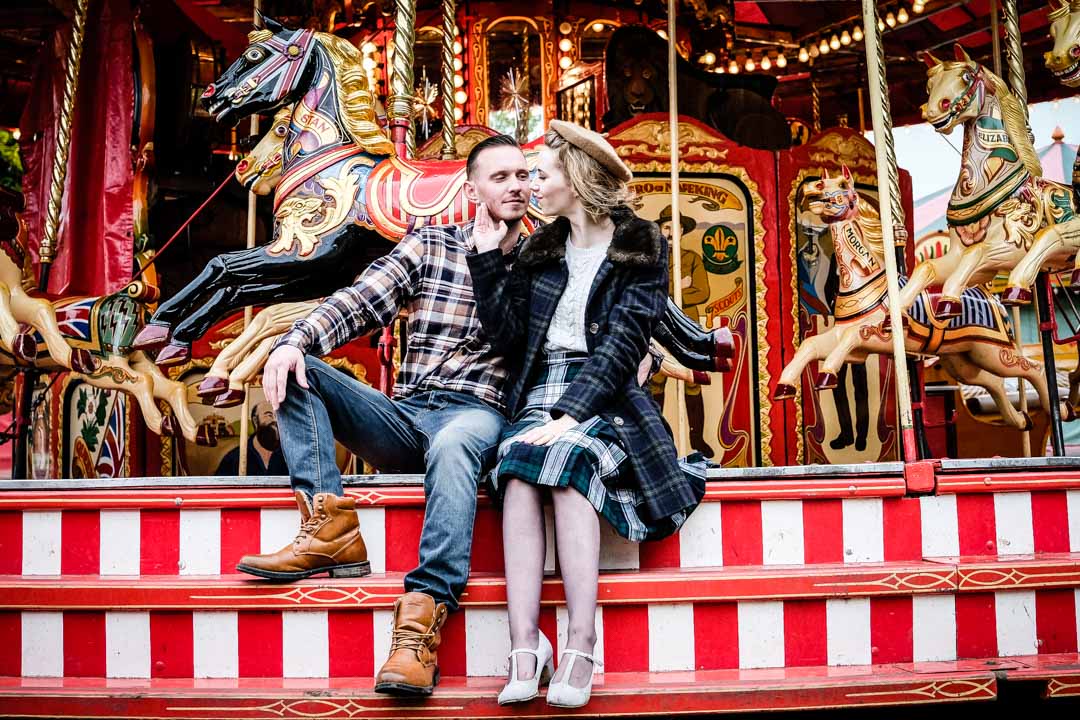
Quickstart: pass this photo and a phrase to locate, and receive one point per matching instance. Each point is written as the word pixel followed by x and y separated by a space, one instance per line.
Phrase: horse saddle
pixel 403 195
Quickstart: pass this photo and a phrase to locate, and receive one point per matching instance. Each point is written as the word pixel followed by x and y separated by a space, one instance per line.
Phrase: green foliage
pixel 11 167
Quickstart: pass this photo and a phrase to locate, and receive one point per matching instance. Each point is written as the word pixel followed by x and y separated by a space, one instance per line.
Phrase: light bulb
pixel 766 63
pixel 460 97
pixel 814 52
pixel 565 28
pixel 918 7
pixel 368 63
pixel 662 33
pixel 565 44
pixel 457 47
pixel 803 55
pixel 750 66
pixel 834 42
pixel 708 58
pixel 890 20
pixel 881 25
pixel 781 61
pixel 368 47
pixel 458 114
pixel 598 27
pixel 459 81
pixel 824 46
pixel 902 16
pixel 565 62
pixel 719 69
pixel 733 68
pixel 457 64
pixel 856 34
pixel 845 38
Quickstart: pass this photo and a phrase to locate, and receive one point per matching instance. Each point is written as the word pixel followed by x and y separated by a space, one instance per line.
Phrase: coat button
pixel 617 420
pixel 594 328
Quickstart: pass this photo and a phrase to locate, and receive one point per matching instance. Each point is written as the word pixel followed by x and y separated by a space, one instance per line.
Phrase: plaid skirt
pixel 589 457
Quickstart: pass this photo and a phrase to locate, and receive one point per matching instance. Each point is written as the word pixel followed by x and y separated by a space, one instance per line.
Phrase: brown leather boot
pixel 329 541
pixel 413 666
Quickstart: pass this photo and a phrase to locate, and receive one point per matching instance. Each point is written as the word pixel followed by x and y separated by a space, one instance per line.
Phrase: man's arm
pixel 370 303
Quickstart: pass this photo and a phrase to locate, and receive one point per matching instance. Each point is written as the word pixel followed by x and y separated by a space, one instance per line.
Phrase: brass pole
pixel 879 91
pixel 815 100
pixel 49 242
pixel 683 437
pixel 449 135
pixel 400 103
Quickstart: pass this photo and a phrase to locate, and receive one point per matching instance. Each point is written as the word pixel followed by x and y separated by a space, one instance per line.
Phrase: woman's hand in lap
pixel 548 432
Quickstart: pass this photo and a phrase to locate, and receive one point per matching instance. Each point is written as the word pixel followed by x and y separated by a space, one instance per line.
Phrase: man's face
pixel 665 229
pixel 501 182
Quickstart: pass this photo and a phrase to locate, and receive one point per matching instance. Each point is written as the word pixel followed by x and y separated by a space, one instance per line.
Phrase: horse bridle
pixel 961 102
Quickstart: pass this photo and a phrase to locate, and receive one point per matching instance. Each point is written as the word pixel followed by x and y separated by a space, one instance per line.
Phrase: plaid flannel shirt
pixel 426 273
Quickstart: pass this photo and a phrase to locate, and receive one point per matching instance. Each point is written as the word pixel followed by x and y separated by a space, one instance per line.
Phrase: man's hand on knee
pixel 284 360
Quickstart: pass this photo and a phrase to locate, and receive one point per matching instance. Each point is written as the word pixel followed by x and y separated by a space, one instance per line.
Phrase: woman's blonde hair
pixel 599 191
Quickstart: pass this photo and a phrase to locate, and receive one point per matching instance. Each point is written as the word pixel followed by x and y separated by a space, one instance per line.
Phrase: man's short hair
pixel 486 143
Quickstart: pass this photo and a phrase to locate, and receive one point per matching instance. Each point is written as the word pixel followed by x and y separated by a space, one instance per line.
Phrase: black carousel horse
pixel 323 236
pixel 636 77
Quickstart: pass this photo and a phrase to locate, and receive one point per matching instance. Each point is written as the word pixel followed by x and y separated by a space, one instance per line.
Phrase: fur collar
pixel 635 242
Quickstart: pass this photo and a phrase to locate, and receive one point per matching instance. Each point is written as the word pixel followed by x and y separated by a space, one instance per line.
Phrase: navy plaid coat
pixel 626 300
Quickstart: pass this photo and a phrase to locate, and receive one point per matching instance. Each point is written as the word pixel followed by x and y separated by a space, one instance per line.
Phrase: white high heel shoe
pixel 516 690
pixel 562 694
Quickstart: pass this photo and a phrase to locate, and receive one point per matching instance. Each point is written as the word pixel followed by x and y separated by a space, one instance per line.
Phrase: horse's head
pixel 834 199
pixel 955 90
pixel 1064 59
pixel 272 71
pixel 260 170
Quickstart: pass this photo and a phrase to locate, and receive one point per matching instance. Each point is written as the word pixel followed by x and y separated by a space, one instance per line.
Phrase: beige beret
pixel 595 146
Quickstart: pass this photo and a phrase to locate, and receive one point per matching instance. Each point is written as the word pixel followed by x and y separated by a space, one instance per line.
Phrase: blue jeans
pixel 449 436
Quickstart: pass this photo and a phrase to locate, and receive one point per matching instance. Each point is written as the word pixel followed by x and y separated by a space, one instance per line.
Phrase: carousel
pixel 891 517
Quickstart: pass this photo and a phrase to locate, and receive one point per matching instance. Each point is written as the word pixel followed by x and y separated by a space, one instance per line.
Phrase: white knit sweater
pixel 567 329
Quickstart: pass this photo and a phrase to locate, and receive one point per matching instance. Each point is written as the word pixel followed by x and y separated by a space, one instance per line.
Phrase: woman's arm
pixel 615 359
pixel 501 300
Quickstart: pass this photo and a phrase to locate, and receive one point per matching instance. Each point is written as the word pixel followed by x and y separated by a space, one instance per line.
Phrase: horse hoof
pixel 229 398
pixel 204 437
pixel 24 347
pixel 825 381
pixel 1068 413
pixel 82 361
pixel 1016 296
pixel 783 391
pixel 168 426
pixel 947 308
pixel 174 354
pixel 1029 424
pixel 701 378
pixel 725 344
pixel 151 337
pixel 211 386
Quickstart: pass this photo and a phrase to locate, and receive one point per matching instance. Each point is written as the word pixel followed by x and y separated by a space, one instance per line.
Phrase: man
pixel 264 447
pixel 445 419
pixel 695 293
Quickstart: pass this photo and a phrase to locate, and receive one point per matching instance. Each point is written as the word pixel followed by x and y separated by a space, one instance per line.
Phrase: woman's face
pixel 551 188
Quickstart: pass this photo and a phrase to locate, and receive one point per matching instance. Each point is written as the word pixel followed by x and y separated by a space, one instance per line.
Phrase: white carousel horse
pixel 1003 216
pixel 976 347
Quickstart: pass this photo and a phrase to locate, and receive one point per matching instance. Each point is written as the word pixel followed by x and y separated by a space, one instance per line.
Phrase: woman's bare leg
pixel 524 545
pixel 577 538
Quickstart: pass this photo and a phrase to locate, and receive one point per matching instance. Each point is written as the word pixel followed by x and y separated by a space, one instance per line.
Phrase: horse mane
pixel 1016 124
pixel 356 104
pixel 870 221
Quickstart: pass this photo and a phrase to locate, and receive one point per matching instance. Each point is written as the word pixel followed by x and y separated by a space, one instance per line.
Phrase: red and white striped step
pixel 653 694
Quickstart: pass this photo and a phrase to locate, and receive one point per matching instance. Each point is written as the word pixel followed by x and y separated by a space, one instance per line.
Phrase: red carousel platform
pixel 789 588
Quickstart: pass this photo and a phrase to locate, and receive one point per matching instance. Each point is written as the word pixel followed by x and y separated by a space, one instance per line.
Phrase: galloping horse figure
pixel 342 195
pixel 977 347
pixel 1001 208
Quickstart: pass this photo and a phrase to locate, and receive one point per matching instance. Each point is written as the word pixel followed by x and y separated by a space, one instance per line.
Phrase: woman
pixel 575 316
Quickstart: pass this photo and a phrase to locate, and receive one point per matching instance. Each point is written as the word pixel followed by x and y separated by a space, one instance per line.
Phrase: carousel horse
pixel 1064 59
pixel 342 197
pixel 976 347
pixel 93 333
pixel 1003 216
pixel 238 363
